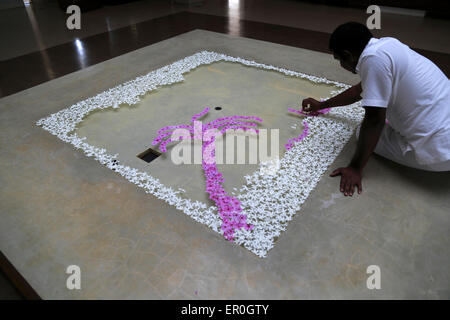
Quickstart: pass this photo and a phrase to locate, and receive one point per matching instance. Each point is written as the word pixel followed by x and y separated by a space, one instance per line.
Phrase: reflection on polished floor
pixel 41 48
pixel 42 24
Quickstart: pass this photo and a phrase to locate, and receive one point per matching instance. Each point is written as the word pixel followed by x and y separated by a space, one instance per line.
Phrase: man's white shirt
pixel 415 92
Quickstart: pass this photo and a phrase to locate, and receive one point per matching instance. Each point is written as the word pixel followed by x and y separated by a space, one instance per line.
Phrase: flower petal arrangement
pixel 228 206
pixel 266 202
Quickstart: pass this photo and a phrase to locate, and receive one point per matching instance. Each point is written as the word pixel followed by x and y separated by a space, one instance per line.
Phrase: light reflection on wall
pixel 110 35
pixel 134 31
pixel 81 53
pixel 38 38
pixel 108 24
pixel 234 15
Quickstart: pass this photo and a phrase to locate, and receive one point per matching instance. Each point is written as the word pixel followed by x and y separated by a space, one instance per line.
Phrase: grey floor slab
pixel 60 208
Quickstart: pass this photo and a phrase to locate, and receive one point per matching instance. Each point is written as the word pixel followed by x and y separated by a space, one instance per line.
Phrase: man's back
pixel 416 93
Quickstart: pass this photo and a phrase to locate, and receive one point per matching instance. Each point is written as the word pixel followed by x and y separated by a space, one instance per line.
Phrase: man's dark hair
pixel 352 36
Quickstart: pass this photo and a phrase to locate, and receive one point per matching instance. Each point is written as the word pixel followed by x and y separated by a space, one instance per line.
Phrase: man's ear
pixel 346 55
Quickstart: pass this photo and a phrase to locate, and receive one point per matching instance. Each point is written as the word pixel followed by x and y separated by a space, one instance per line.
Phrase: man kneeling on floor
pixel 406 99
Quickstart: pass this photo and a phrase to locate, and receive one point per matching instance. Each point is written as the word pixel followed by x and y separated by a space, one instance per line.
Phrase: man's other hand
pixel 311 104
pixel 350 178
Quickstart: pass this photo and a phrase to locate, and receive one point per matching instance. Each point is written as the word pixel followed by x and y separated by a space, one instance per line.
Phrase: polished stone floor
pixel 40 47
pixel 42 25
pixel 7 290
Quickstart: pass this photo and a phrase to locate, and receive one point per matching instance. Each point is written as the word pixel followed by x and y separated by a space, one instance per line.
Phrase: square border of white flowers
pixel 268 201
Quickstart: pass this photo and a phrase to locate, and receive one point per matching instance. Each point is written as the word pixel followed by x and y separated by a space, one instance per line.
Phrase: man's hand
pixel 371 128
pixel 311 104
pixel 349 96
pixel 350 178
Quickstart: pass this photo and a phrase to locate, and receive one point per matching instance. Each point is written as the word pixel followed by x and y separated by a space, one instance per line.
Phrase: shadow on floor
pixel 421 178
pixel 7 290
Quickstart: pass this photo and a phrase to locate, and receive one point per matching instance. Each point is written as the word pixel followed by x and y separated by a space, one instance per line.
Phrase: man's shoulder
pixel 382 54
pixel 382 46
pixel 378 60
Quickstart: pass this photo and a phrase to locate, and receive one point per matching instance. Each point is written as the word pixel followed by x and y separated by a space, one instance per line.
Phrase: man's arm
pixel 349 96
pixel 371 128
